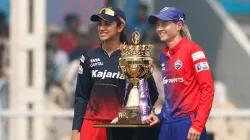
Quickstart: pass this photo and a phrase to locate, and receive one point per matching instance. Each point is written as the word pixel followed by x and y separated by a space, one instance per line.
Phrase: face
pixel 74 24
pixel 141 14
pixel 108 30
pixel 168 30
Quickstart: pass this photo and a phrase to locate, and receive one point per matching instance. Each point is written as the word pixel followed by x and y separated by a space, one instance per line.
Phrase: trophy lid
pixel 136 37
pixel 137 50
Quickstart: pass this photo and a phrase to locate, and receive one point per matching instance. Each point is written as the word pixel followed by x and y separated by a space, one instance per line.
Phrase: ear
pixel 179 25
pixel 120 28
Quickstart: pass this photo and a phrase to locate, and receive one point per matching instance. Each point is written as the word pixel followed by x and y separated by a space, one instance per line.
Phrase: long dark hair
pixel 123 37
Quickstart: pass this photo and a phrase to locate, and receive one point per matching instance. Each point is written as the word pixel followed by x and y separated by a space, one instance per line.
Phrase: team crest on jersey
pixel 178 64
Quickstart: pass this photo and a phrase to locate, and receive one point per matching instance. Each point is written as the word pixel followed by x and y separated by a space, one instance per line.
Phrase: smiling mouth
pixel 103 33
pixel 162 34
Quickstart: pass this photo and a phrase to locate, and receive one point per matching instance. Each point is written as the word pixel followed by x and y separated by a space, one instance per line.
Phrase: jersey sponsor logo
pixel 198 55
pixel 172 80
pixel 178 64
pixel 105 74
pixel 95 62
pixel 80 69
pixel 82 59
pixel 201 66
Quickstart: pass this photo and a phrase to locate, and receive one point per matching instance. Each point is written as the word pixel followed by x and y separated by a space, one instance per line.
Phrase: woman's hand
pixel 193 134
pixel 75 135
pixel 114 121
pixel 152 119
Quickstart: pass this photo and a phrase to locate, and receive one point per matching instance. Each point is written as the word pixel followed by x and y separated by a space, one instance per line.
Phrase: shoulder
pixel 195 51
pixel 92 52
pixel 193 47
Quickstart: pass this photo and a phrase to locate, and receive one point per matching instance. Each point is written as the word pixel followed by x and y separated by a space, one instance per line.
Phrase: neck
pixel 111 45
pixel 174 41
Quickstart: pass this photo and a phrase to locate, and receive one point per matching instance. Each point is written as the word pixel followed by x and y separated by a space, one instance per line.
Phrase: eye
pixel 99 23
pixel 165 24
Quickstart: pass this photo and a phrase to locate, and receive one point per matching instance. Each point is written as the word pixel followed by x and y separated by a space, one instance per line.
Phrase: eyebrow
pixel 104 21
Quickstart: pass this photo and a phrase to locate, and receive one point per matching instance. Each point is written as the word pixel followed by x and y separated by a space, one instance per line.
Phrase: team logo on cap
pixel 122 20
pixel 164 9
pixel 178 64
pixel 181 18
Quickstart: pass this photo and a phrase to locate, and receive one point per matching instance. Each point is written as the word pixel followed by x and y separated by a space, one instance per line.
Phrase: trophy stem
pixel 133 98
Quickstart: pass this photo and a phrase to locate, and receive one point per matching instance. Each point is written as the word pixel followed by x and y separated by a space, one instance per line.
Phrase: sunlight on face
pixel 107 30
pixel 167 30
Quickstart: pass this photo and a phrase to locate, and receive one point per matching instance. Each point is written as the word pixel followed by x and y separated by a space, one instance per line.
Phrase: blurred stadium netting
pixel 221 27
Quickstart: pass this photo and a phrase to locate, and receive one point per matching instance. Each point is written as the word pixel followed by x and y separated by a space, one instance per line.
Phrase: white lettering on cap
pixel 164 9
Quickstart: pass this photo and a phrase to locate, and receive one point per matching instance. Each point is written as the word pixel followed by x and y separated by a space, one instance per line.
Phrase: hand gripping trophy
pixel 136 65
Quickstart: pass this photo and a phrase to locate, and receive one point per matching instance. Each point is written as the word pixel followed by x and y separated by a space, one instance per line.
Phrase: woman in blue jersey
pixel 100 86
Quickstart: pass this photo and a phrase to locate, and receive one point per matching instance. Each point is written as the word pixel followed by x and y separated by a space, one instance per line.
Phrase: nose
pixel 101 27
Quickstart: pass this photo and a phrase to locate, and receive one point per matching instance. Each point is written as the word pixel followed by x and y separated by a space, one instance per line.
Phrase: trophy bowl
pixel 136 67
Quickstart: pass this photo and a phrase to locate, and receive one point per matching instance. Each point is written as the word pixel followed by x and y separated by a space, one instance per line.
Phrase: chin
pixel 104 38
pixel 163 39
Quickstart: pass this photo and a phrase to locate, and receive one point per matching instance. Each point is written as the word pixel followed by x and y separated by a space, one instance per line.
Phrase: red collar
pixel 175 48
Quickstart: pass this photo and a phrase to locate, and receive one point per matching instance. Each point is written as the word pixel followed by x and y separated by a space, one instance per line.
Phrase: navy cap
pixel 168 14
pixel 118 17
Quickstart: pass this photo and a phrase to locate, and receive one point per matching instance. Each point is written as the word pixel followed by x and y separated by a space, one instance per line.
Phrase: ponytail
pixel 123 37
pixel 185 32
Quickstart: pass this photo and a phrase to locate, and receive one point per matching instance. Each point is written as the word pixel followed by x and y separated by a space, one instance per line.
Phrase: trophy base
pixel 129 115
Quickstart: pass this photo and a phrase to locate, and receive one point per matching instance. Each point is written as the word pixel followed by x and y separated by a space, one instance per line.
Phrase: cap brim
pixel 153 18
pixel 105 17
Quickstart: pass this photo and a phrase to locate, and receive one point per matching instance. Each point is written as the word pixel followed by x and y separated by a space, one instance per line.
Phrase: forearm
pixel 79 111
pixel 203 112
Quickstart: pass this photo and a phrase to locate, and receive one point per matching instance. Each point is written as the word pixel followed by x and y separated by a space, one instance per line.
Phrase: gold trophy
pixel 135 64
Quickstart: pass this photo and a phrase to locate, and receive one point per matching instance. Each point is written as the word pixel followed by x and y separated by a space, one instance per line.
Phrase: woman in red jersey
pixel 187 80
